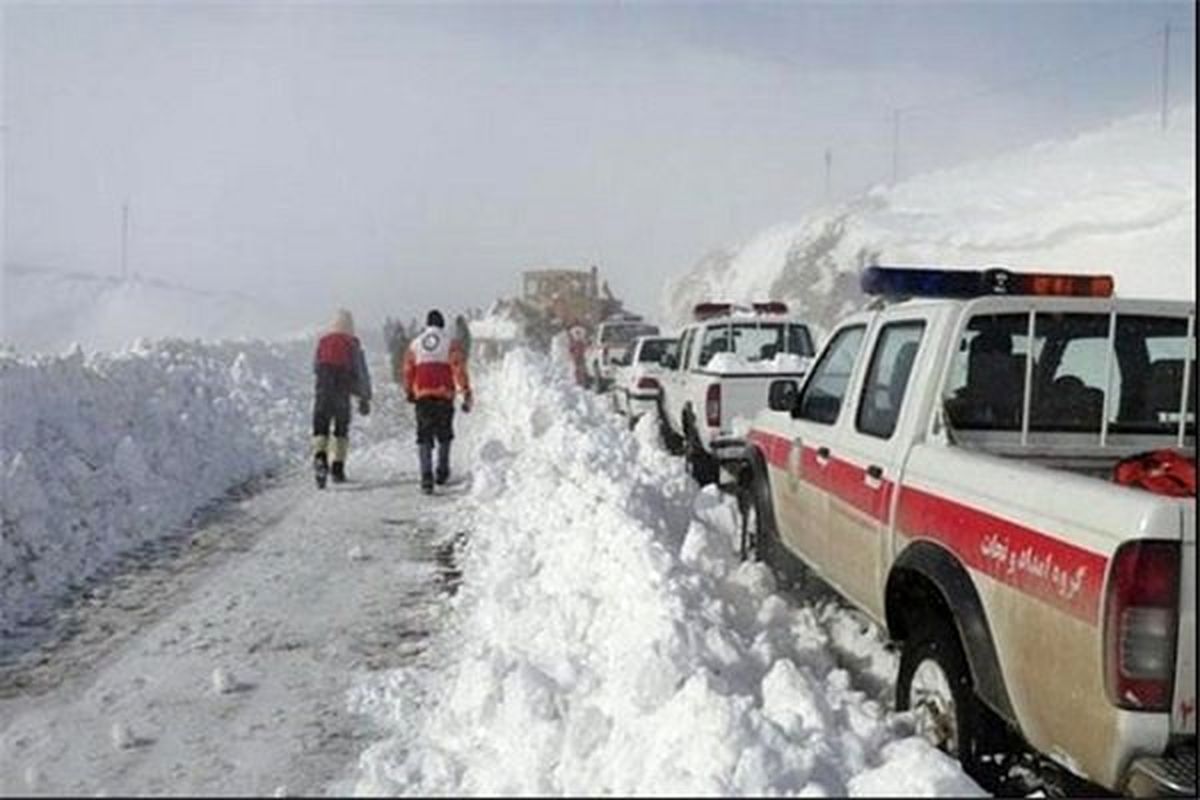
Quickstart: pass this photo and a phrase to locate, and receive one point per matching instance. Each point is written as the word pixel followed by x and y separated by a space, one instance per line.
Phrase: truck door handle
pixel 822 456
pixel 875 471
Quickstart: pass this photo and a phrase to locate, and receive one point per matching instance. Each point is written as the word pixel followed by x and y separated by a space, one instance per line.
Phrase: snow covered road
pixel 595 633
pixel 223 669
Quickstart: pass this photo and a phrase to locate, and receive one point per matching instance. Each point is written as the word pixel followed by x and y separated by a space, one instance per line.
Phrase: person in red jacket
pixel 341 371
pixel 435 369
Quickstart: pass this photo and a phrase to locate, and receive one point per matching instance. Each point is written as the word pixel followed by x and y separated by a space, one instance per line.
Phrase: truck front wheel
pixel 935 685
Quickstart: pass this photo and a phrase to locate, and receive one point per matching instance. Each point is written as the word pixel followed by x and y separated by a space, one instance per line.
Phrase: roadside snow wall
pixel 606 639
pixel 104 453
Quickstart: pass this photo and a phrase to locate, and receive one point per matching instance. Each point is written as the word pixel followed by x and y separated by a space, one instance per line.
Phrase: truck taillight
pixel 712 405
pixel 648 383
pixel 1140 621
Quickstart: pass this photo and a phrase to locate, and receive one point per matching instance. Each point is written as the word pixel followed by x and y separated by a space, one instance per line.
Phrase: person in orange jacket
pixel 435 368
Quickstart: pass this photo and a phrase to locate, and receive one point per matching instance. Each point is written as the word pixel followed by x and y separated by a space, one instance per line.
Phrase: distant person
pixel 434 369
pixel 341 371
pixel 397 343
pixel 463 332
pixel 577 349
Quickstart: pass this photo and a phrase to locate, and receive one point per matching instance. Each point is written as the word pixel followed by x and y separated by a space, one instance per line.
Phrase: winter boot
pixel 320 468
pixel 337 466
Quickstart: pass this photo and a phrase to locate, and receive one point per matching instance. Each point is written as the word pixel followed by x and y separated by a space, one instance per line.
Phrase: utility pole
pixel 125 241
pixel 1165 70
pixel 828 174
pixel 895 145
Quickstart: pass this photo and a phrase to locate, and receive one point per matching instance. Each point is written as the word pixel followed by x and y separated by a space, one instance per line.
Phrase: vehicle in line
pixel 948 466
pixel 637 384
pixel 610 345
pixel 718 381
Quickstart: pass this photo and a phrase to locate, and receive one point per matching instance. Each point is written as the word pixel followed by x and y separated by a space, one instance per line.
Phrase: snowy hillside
pixel 104 453
pixel 1121 200
pixel 47 311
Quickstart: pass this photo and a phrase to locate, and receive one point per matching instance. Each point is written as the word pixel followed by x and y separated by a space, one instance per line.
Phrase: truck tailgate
pixel 1183 711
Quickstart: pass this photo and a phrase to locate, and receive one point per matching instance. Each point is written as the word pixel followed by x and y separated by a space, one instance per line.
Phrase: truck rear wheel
pixel 935 685
pixel 702 466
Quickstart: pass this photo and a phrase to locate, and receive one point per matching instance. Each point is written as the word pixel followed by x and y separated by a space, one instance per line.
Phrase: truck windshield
pixel 756 341
pixel 624 334
pixel 653 349
pixel 1074 374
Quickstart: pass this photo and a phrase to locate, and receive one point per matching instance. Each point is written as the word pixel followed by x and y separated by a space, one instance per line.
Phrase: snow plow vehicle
pixel 948 466
pixel 718 380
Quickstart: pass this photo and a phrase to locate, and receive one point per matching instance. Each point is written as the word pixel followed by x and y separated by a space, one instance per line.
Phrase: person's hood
pixel 343 322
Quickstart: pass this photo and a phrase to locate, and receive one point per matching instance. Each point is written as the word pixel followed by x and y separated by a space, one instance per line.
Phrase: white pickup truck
pixel 948 467
pixel 637 384
pixel 718 380
pixel 610 348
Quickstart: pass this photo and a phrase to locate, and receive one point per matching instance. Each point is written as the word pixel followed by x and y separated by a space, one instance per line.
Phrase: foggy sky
pixel 391 157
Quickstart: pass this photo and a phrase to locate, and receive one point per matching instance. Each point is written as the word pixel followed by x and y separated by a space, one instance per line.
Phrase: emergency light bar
pixel 703 311
pixel 932 282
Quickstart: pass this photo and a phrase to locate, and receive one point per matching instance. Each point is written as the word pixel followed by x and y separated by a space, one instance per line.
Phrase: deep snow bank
pixel 102 453
pixel 1120 199
pixel 607 640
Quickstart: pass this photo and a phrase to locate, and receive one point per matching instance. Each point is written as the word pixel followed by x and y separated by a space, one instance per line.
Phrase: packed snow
pixel 1119 200
pixel 607 639
pixel 104 452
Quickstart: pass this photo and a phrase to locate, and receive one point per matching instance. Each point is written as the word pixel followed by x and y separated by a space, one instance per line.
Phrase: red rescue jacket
pixel 434 366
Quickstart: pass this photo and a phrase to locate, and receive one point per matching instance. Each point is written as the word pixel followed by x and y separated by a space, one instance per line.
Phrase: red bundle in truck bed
pixel 1165 471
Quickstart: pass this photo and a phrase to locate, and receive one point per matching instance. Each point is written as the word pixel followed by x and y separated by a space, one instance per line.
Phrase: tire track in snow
pixel 221 666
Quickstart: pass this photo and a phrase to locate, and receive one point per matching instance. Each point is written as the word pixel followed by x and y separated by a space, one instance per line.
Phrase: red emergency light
pixel 703 311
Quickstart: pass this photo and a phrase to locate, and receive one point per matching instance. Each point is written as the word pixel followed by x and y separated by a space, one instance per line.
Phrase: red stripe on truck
pixel 1057 572
pixel 1067 577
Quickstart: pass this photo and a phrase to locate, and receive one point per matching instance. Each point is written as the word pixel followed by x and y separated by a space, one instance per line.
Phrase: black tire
pixel 670 439
pixel 702 466
pixel 764 537
pixel 977 733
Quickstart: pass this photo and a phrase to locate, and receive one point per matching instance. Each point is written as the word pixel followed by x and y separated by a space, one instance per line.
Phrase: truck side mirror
pixel 668 361
pixel 782 394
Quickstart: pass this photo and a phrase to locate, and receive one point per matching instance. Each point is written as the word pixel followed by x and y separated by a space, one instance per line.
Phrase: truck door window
pixel 887 378
pixel 826 387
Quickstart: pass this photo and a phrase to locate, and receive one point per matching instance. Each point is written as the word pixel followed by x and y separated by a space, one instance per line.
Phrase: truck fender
pixel 924 566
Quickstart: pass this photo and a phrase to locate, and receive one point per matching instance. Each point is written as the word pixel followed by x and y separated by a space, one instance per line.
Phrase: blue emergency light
pixel 934 282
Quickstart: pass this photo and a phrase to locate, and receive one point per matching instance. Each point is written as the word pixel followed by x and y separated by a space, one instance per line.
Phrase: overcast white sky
pixel 393 156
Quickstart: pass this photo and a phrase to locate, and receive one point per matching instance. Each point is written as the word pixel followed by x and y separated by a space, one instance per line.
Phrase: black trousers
pixel 332 407
pixel 435 420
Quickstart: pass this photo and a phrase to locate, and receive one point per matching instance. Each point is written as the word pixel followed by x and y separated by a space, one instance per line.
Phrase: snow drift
pixel 46 310
pixel 607 639
pixel 1121 199
pixel 100 454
